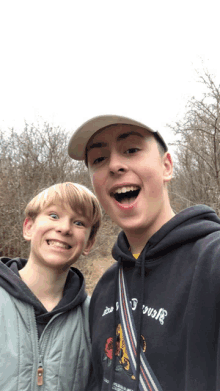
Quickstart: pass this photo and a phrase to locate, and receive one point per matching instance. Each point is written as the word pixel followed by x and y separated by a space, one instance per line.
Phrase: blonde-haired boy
pixel 44 307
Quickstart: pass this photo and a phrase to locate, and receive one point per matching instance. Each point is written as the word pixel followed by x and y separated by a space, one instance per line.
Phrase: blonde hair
pixel 78 197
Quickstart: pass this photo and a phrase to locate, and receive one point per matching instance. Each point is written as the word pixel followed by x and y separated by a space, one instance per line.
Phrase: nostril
pixel 121 169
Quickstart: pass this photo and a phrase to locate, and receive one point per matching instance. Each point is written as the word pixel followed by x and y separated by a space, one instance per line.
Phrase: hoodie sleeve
pixel 203 326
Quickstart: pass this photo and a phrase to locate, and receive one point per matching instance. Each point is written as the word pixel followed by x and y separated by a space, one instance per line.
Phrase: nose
pixel 116 164
pixel 64 226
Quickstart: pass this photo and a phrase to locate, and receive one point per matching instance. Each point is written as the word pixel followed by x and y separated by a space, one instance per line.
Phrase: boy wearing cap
pixel 154 315
pixel 45 342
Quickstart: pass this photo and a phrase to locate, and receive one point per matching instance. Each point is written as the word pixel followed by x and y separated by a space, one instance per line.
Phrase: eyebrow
pixel 122 136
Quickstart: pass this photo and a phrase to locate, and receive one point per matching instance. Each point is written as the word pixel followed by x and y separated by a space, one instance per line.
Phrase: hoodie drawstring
pixel 115 323
pixel 139 323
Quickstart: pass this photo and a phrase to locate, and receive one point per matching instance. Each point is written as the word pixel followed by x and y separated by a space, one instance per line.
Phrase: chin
pixel 136 228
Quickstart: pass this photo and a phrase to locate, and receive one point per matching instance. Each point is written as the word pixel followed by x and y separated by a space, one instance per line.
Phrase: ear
pixel 27 228
pixel 167 167
pixel 89 245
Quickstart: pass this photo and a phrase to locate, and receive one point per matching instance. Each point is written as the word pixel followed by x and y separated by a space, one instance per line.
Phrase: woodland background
pixel 37 158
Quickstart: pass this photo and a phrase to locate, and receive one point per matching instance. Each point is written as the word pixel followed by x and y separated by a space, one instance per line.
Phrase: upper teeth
pixel 126 188
pixel 58 244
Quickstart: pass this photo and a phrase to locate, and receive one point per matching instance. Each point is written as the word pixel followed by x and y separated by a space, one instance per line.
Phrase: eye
pixel 131 150
pixel 79 223
pixel 54 216
pixel 98 160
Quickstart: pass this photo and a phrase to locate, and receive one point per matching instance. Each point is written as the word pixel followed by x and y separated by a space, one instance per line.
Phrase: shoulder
pixel 208 249
pixel 81 311
pixel 107 278
pixel 5 298
pixel 85 305
pixel 8 313
pixel 105 288
pixel 205 255
pixel 109 273
pixel 209 244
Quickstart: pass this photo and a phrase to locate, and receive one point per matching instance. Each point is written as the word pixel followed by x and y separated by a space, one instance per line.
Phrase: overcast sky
pixel 67 61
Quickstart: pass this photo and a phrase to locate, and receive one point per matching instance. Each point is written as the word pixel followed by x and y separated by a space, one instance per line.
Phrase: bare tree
pixel 29 162
pixel 197 160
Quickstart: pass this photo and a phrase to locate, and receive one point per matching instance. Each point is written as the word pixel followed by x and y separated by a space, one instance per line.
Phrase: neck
pixel 138 238
pixel 46 284
pixel 137 242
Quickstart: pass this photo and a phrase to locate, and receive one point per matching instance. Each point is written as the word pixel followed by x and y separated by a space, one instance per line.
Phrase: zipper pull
pixel 40 372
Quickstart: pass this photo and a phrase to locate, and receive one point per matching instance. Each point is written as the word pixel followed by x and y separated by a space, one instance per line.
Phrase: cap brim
pixel 81 136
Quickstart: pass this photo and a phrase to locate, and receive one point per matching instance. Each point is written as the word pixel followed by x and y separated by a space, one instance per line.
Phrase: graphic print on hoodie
pixel 175 303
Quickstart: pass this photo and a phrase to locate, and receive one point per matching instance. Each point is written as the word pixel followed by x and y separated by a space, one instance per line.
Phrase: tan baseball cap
pixel 81 136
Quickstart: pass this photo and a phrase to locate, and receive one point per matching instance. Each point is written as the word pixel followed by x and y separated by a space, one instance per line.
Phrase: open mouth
pixel 126 194
pixel 55 243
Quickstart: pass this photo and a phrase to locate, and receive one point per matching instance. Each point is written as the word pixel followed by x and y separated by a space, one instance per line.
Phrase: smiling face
pixel 58 236
pixel 129 177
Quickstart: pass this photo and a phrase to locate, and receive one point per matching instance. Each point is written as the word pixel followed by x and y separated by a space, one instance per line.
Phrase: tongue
pixel 128 200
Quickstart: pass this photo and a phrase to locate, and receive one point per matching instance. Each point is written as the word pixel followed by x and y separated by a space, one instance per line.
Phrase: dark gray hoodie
pixel 175 300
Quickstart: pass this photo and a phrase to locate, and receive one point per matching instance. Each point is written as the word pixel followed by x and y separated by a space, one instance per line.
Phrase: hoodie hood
pixel 188 226
pixel 73 295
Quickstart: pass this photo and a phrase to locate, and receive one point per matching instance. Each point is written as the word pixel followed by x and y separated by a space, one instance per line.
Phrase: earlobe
pixel 168 167
pixel 27 229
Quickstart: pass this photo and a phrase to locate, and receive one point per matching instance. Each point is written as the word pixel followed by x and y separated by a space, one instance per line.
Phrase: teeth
pixel 58 244
pixel 125 189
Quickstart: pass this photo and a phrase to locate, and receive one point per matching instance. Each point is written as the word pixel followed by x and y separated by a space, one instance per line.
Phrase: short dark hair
pixel 161 146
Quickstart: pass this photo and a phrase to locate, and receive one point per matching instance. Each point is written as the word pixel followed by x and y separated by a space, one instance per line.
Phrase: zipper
pixel 40 369
pixel 40 373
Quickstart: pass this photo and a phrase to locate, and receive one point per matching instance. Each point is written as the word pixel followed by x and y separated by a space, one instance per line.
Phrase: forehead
pixel 115 133
pixel 56 205
pixel 63 206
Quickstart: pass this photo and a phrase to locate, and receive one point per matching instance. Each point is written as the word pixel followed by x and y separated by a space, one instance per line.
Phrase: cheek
pixel 92 177
pixel 154 183
pixel 42 224
pixel 97 180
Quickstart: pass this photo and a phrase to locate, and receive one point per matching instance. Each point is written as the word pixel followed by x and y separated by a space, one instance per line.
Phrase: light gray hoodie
pixel 36 344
